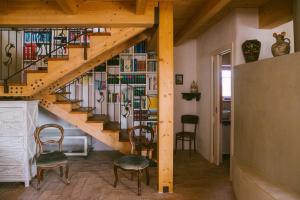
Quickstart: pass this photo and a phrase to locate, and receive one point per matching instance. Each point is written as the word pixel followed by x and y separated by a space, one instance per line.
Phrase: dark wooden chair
pixel 50 160
pixel 141 139
pixel 187 136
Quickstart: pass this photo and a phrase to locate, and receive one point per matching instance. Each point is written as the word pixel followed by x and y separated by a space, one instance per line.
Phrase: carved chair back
pixel 141 138
pixel 41 143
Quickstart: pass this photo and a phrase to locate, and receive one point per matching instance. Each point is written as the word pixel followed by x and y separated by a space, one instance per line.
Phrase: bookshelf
pixel 132 88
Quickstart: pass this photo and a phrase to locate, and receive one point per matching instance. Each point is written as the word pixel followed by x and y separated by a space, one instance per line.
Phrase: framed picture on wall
pixel 179 79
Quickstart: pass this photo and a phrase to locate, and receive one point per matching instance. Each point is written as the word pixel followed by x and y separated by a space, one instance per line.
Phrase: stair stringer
pixel 59 68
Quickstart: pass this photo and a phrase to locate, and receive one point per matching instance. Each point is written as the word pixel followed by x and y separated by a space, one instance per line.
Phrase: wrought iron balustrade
pixel 26 49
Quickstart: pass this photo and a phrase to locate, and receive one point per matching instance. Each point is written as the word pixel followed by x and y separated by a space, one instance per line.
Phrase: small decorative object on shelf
pixel 281 46
pixel 194 87
pixel 251 50
pixel 191 96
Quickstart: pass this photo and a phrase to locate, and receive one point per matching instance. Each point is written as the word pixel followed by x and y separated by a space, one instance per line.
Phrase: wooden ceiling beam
pixel 68 6
pixel 140 7
pixel 275 13
pixel 90 14
pixel 209 10
pixel 3 7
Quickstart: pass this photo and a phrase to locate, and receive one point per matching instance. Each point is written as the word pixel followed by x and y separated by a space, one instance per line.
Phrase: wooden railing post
pixel 165 88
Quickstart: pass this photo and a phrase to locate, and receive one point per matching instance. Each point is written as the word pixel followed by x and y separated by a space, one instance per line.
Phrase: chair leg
pixel 116 175
pixel 67 174
pixel 39 171
pixel 182 143
pixel 61 169
pixel 139 183
pixel 42 174
pixel 190 147
pixel 176 145
pixel 194 144
pixel 147 176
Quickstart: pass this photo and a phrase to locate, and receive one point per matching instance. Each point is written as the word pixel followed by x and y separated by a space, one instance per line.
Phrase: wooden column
pixel 165 88
pixel 296 13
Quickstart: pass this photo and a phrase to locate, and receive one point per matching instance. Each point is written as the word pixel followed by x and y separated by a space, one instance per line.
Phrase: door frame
pixel 219 52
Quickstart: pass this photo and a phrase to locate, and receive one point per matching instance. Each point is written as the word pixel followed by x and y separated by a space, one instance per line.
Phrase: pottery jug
pixel 251 50
pixel 282 45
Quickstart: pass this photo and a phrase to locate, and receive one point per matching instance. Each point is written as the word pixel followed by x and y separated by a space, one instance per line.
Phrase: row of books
pixel 129 65
pixel 29 52
pixel 114 97
pixel 139 91
pixel 152 66
pixel 140 115
pixel 140 48
pixel 133 79
pixel 152 82
pixel 113 61
pixel 140 103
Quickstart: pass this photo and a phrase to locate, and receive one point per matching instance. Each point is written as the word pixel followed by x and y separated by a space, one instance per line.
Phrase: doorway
pixel 221 106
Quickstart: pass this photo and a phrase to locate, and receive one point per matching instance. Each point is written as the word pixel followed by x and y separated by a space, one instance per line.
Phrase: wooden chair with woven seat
pixel 141 139
pixel 185 135
pixel 50 160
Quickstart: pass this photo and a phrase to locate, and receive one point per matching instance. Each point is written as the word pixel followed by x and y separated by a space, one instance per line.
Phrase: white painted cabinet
pixel 18 120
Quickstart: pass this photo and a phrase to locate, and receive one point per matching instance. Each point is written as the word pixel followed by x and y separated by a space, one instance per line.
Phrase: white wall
pixel 247 23
pixel 235 28
pixel 184 63
pixel 218 36
pixel 46 117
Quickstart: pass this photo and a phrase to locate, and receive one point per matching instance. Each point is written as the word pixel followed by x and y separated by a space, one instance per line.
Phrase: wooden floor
pixel 91 179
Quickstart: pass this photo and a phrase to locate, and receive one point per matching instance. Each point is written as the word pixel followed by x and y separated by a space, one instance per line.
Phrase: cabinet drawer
pixel 11 173
pixel 8 157
pixel 12 121
pixel 12 142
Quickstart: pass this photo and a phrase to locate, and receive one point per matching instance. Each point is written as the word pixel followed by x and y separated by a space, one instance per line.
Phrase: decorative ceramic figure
pixel 281 46
pixel 194 87
pixel 251 50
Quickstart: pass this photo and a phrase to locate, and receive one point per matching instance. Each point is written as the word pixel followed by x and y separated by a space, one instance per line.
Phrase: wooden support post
pixel 296 13
pixel 140 7
pixel 165 88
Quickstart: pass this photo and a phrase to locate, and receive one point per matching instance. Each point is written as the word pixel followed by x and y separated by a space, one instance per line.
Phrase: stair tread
pixel 114 126
pixel 67 101
pixel 100 34
pixel 58 58
pixel 97 118
pixel 37 71
pixel 78 46
pixel 82 110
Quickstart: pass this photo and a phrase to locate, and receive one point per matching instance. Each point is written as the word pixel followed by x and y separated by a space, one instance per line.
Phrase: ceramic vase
pixel 251 50
pixel 281 46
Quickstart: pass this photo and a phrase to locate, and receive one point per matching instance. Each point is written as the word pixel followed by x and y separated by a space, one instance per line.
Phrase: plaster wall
pixel 267 113
pixel 185 64
pixel 46 117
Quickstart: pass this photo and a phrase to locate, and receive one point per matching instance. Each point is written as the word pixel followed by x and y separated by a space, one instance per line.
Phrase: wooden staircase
pixel 83 119
pixel 100 44
pixel 42 84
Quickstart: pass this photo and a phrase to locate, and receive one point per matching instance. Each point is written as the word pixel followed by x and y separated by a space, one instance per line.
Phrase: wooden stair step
pixel 37 71
pixel 83 110
pixel 97 118
pixel 58 58
pixel 124 135
pixel 113 126
pixel 67 101
pixel 61 93
pixel 99 34
pixel 78 46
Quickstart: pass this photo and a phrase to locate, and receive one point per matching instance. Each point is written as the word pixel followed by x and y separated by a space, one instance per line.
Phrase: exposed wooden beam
pixel 166 96
pixel 91 13
pixel 140 7
pixel 210 9
pixel 68 6
pixel 3 7
pixel 275 13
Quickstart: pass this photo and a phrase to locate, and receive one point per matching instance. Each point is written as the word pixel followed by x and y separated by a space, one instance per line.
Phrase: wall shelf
pixel 190 96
